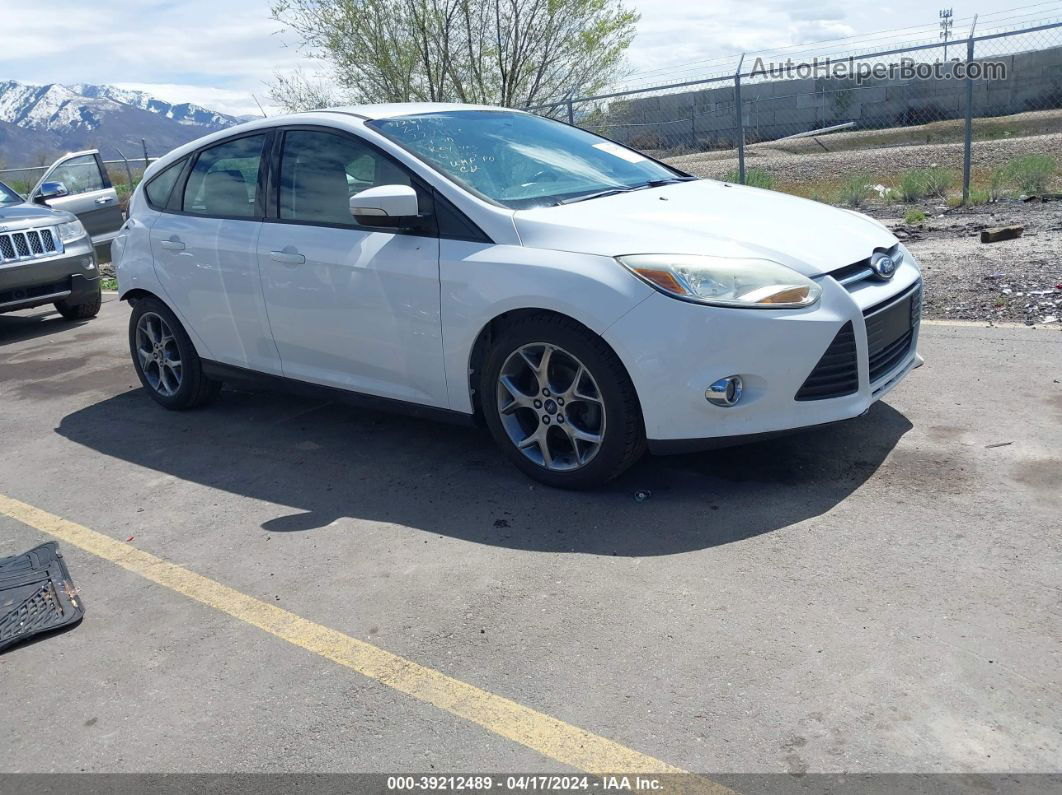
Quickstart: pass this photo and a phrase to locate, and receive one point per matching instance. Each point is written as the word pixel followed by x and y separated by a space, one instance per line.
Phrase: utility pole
pixel 946 23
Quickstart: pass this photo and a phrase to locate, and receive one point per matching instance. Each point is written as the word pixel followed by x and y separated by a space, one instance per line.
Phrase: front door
pixel 206 255
pixel 349 307
pixel 88 194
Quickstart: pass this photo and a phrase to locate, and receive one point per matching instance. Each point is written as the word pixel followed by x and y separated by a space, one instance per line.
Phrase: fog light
pixel 724 392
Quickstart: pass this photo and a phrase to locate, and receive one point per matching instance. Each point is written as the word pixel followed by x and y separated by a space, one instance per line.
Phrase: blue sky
pixel 219 52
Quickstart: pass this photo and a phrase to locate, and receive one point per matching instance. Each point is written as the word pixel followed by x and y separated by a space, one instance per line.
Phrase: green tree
pixel 498 52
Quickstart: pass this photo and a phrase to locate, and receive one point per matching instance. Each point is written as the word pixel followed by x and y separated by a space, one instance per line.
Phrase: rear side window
pixel 159 188
pixel 225 178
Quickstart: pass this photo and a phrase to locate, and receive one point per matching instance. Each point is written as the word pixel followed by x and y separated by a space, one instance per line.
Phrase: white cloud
pixel 217 53
pixel 235 102
pixel 814 30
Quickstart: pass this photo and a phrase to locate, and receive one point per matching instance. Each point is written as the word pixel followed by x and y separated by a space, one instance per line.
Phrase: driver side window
pixel 78 175
pixel 319 172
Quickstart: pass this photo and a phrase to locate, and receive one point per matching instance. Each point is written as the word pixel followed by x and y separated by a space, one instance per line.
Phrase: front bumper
pixel 673 350
pixel 71 276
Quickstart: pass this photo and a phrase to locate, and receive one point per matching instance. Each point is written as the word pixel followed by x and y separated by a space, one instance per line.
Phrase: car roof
pixel 364 112
pixel 392 109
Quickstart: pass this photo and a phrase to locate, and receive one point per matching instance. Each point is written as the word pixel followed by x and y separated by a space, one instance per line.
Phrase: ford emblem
pixel 883 266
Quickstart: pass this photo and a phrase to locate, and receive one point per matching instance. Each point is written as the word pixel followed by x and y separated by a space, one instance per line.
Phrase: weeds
pixel 914 217
pixel 754 177
pixel 854 191
pixel 1031 174
pixel 918 183
pixel 997 184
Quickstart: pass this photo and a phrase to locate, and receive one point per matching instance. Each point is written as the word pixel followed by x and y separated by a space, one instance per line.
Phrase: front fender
pixel 480 282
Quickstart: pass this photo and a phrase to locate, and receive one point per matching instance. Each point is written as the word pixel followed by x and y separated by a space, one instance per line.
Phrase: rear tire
pixel 83 310
pixel 573 424
pixel 165 360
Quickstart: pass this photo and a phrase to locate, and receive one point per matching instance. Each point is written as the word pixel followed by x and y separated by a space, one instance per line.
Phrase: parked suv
pixel 46 257
pixel 580 298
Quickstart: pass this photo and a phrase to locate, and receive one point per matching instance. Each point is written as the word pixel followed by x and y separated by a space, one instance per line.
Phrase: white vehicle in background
pixel 581 299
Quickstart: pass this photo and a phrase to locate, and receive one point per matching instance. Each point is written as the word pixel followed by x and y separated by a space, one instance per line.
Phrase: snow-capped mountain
pixel 83 116
pixel 183 113
pixel 51 107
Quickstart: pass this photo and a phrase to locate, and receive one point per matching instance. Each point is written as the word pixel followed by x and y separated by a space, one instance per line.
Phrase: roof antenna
pixel 259 104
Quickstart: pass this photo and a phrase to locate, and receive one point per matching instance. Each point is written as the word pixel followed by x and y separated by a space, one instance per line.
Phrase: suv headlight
pixel 71 231
pixel 723 281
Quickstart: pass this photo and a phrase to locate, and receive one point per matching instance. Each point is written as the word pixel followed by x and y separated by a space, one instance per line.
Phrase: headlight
pixel 71 231
pixel 721 281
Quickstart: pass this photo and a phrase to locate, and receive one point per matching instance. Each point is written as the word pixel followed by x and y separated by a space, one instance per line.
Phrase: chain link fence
pixel 966 119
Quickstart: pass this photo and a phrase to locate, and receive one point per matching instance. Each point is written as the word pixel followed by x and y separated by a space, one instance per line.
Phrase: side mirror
pixel 385 205
pixel 52 190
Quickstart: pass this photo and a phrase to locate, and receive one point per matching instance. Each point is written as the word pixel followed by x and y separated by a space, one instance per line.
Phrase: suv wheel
pixel 560 404
pixel 82 311
pixel 165 360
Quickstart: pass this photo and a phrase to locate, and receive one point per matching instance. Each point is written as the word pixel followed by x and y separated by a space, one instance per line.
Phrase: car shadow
pixel 28 324
pixel 43 321
pixel 328 461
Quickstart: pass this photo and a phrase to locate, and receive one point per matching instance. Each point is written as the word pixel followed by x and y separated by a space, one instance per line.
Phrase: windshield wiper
pixel 595 195
pixel 653 183
pixel 659 183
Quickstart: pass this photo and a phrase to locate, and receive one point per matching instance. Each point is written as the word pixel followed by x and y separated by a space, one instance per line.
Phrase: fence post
pixel 147 162
pixel 693 121
pixel 128 171
pixel 739 121
pixel 967 145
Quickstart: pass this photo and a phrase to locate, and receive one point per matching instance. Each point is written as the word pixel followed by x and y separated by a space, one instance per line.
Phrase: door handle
pixel 173 244
pixel 288 255
pixel 104 200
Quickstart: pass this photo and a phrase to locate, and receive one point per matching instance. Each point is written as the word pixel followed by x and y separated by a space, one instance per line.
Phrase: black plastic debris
pixel 36 595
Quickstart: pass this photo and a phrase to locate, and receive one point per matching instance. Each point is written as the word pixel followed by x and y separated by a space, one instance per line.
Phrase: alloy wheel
pixel 551 407
pixel 158 354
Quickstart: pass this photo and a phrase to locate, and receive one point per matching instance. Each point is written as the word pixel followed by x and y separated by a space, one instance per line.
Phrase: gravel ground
pixel 798 168
pixel 1010 281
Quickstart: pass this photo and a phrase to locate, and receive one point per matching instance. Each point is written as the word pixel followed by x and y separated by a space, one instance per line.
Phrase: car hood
pixel 708 217
pixel 26 215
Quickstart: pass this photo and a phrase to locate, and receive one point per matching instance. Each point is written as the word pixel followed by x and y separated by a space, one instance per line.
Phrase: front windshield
pixel 8 196
pixel 520 160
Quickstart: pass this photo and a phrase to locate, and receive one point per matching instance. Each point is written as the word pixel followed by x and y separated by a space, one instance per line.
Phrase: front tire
pixel 165 359
pixel 88 308
pixel 560 404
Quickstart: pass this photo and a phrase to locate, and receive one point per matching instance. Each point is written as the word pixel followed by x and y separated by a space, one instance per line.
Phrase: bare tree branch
pixel 501 52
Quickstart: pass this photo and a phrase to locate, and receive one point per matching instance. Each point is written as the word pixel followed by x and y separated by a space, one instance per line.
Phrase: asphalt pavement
pixel 877 596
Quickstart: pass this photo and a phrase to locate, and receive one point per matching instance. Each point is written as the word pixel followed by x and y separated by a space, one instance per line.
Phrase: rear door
pixel 205 250
pixel 89 194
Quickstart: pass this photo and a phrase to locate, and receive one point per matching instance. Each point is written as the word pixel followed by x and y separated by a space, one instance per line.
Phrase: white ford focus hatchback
pixel 582 300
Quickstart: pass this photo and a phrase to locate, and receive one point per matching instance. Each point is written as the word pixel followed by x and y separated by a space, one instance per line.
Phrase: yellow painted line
pixel 551 737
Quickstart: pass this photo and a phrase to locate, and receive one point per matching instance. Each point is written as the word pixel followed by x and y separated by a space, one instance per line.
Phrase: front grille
pixel 837 373
pixel 850 276
pixel 890 331
pixel 27 244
